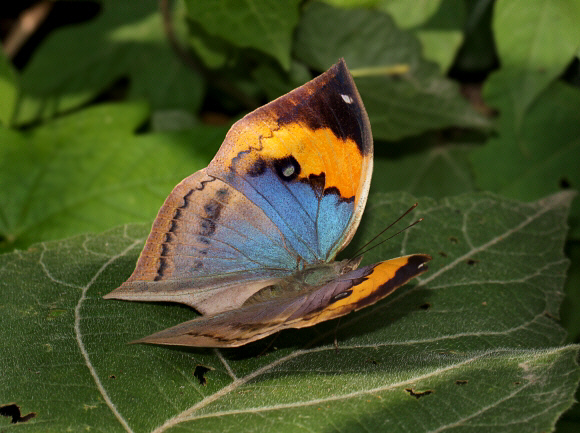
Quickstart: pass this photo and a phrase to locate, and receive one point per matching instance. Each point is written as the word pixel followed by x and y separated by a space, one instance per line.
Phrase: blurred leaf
pixel 442 35
pixel 484 307
pixel 172 120
pixel 547 38
pixel 399 105
pixel 8 89
pixel 477 54
pixel 89 172
pixel 423 166
pixel 438 24
pixel 213 51
pixel 408 15
pixel 352 3
pixel 265 25
pixel 540 158
pixel 77 63
pixel 276 82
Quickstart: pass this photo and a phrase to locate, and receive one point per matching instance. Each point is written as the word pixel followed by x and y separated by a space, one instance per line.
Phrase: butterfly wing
pixel 306 160
pixel 350 292
pixel 210 248
pixel 287 188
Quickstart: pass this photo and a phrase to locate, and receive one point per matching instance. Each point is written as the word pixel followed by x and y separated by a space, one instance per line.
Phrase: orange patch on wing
pixel 362 293
pixel 383 272
pixel 317 151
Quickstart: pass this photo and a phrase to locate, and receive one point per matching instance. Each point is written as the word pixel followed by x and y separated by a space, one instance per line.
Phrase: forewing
pixel 306 160
pixel 350 292
pixel 287 188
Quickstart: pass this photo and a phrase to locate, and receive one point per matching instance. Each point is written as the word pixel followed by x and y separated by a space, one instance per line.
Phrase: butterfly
pixel 250 240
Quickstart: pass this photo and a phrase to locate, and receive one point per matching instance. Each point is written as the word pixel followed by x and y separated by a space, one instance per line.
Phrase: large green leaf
pixel 437 24
pixel 265 25
pixel 471 343
pixel 400 104
pixel 8 89
pixel 90 171
pixel 425 165
pixel 126 40
pixel 546 39
pixel 540 158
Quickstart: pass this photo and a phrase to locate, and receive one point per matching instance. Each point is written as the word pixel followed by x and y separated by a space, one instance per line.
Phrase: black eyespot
pixel 287 168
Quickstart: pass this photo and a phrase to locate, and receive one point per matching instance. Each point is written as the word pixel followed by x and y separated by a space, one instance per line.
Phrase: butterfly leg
pixel 336 334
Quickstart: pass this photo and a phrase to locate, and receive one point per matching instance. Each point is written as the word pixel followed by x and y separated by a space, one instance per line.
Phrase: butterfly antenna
pixel 390 237
pixel 357 254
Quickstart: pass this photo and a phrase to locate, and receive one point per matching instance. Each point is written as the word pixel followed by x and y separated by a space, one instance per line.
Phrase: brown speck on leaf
pixel 418 394
pixel 12 410
pixel 199 373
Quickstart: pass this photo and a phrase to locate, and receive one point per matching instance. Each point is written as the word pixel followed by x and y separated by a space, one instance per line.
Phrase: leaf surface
pixel 399 104
pixel 90 172
pixel 546 40
pixel 472 342
pixel 260 24
pixel 125 41
pixel 8 89
pixel 425 165
pixel 540 158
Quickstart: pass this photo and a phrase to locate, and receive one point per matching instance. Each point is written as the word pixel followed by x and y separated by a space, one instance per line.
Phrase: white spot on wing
pixel 347 99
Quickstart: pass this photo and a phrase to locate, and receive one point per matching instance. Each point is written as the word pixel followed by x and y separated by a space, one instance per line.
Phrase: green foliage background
pixel 105 118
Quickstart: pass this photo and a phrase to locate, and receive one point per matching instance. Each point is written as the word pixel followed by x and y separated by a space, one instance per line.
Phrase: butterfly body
pixel 250 240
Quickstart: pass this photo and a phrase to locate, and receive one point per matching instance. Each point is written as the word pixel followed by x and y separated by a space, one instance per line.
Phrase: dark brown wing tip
pixel 330 100
pixel 418 261
pixel 340 68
